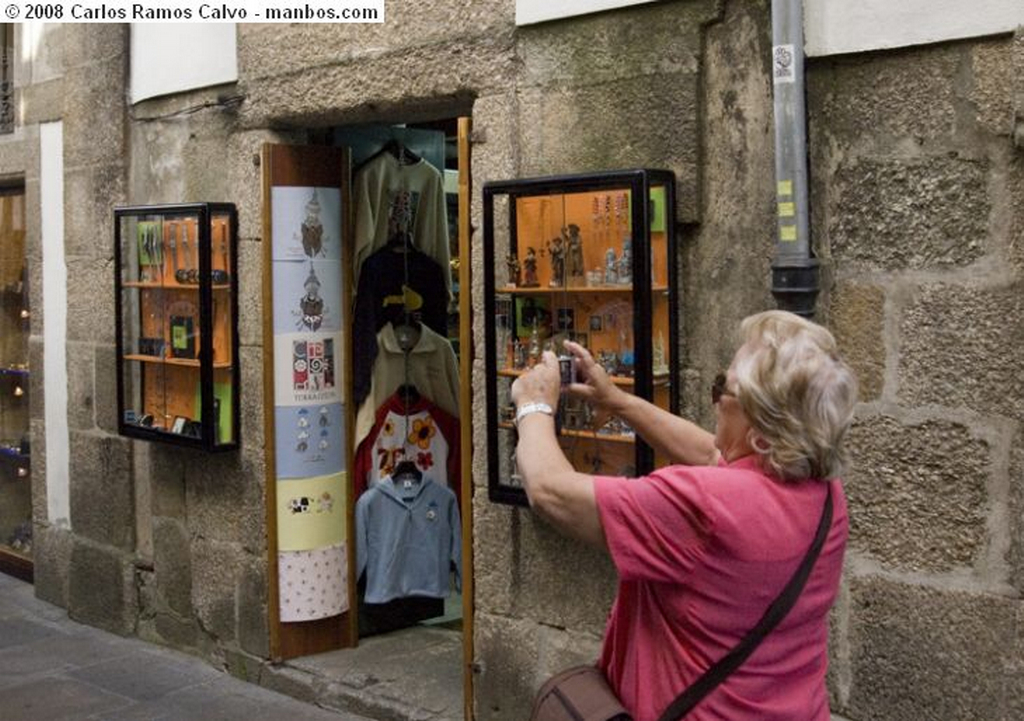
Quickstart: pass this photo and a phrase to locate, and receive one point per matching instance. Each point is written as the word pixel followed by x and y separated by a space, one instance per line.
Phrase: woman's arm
pixel 676 438
pixel 557 492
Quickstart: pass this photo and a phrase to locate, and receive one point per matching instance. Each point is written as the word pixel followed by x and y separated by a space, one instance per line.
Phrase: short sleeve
pixel 656 526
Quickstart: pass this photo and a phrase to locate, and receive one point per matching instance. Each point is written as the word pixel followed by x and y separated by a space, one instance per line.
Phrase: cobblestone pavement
pixel 53 668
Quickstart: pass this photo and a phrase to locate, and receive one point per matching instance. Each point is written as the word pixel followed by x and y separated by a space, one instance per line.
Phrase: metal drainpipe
pixel 794 270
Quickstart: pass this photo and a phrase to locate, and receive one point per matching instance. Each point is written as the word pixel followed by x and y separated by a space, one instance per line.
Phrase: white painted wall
pixel 529 12
pixel 833 27
pixel 55 324
pixel 173 57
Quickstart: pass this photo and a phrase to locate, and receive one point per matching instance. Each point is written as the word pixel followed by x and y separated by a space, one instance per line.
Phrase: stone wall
pixel 918 218
pixel 917 202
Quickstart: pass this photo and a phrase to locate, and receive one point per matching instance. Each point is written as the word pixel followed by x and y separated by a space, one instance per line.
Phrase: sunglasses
pixel 718 389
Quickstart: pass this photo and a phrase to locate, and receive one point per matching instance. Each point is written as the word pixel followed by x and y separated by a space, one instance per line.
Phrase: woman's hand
pixel 540 384
pixel 597 388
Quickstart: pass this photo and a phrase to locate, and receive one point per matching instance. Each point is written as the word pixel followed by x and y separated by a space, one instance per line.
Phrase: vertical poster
pixel 309 432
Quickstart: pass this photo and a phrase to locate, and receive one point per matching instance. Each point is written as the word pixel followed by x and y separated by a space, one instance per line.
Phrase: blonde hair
pixel 797 393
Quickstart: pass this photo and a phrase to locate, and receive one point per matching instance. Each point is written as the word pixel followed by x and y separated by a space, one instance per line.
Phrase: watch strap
pixel 528 408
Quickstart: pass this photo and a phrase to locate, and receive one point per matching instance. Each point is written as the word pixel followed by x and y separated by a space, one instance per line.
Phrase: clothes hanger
pixel 407 333
pixel 407 470
pixel 409 394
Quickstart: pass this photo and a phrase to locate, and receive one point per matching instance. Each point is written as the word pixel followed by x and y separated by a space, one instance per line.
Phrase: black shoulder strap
pixel 700 688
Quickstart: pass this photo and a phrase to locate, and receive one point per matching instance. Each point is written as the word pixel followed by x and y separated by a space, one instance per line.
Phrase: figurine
pixel 533 356
pixel 518 355
pixel 512 262
pixel 626 262
pixel 556 247
pixel 611 264
pixel 530 269
pixel 660 367
pixel 574 245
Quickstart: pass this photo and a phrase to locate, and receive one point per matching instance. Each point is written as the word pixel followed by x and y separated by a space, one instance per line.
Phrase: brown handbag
pixel 580 693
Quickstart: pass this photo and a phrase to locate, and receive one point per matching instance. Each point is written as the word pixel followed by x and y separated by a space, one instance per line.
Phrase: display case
pixel 577 257
pixel 177 310
pixel 15 465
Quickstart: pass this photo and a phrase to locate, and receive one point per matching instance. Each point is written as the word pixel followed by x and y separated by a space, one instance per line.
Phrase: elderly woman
pixel 702 548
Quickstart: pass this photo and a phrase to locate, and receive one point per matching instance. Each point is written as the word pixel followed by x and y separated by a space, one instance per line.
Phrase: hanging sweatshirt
pixel 431 367
pixel 404 200
pixel 421 433
pixel 408 540
pixel 393 282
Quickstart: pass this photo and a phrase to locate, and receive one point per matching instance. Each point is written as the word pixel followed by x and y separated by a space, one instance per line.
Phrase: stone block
pixel 217 569
pixel 41 102
pixel 897 215
pixel 40 510
pixel 902 94
pixel 225 498
pixel 494 131
pixel 105 384
pixel 175 631
pixel 90 285
pixel 656 39
pixel 15 153
pixel 522 567
pixel 506 658
pixel 921 652
pixel 992 91
pixel 172 564
pixel 94 43
pixel 1016 514
pixel 857 319
pixel 955 346
pixel 47 61
pixel 917 493
pixel 101 588
pixel 292 49
pixel 250 295
pixel 36 384
pixel 245 180
pixel 591 128
pixel 243 666
pixel 165 467
pixel 90 194
pixel 251 398
pixel 253 625
pixel 94 127
pixel 81 389
pixel 290 682
pixel 51 550
pixel 157 172
pixel 417 83
pixel 102 489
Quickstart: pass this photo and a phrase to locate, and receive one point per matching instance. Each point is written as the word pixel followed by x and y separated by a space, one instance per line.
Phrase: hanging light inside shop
pixel 22 472
pixel 18 391
pixel 24 313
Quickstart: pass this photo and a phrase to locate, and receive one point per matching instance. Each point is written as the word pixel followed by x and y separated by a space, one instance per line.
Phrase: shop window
pixel 7 78
pixel 15 468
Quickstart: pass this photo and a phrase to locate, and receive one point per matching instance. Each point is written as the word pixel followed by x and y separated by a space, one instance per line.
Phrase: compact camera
pixel 567 370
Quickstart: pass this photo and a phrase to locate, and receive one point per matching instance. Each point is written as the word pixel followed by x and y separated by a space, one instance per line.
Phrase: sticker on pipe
pixel 783 64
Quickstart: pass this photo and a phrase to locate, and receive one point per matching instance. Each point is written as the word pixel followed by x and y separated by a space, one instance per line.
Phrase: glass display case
pixel 15 466
pixel 177 310
pixel 577 257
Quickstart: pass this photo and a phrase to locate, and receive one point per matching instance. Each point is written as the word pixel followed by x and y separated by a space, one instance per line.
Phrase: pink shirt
pixel 701 552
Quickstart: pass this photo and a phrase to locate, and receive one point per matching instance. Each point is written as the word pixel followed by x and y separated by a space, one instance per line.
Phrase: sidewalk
pixel 52 668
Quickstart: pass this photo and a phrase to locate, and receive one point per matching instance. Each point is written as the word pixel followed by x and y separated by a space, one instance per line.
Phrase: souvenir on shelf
pixel 579 258
pixel 176 310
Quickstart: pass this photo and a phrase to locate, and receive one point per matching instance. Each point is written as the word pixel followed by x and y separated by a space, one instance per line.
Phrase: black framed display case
pixel 575 257
pixel 177 320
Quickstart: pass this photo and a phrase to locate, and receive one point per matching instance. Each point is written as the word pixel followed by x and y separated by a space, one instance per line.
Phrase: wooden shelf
pixel 189 362
pixel 153 285
pixel 578 289
pixel 15 563
pixel 586 435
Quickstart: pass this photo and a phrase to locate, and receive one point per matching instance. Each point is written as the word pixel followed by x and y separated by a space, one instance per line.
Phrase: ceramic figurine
pixel 512 262
pixel 556 247
pixel 611 264
pixel 574 251
pixel 533 355
pixel 626 262
pixel 660 367
pixel 530 269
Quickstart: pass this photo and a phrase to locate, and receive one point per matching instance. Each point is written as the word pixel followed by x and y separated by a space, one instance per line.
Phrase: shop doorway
pixel 404 359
